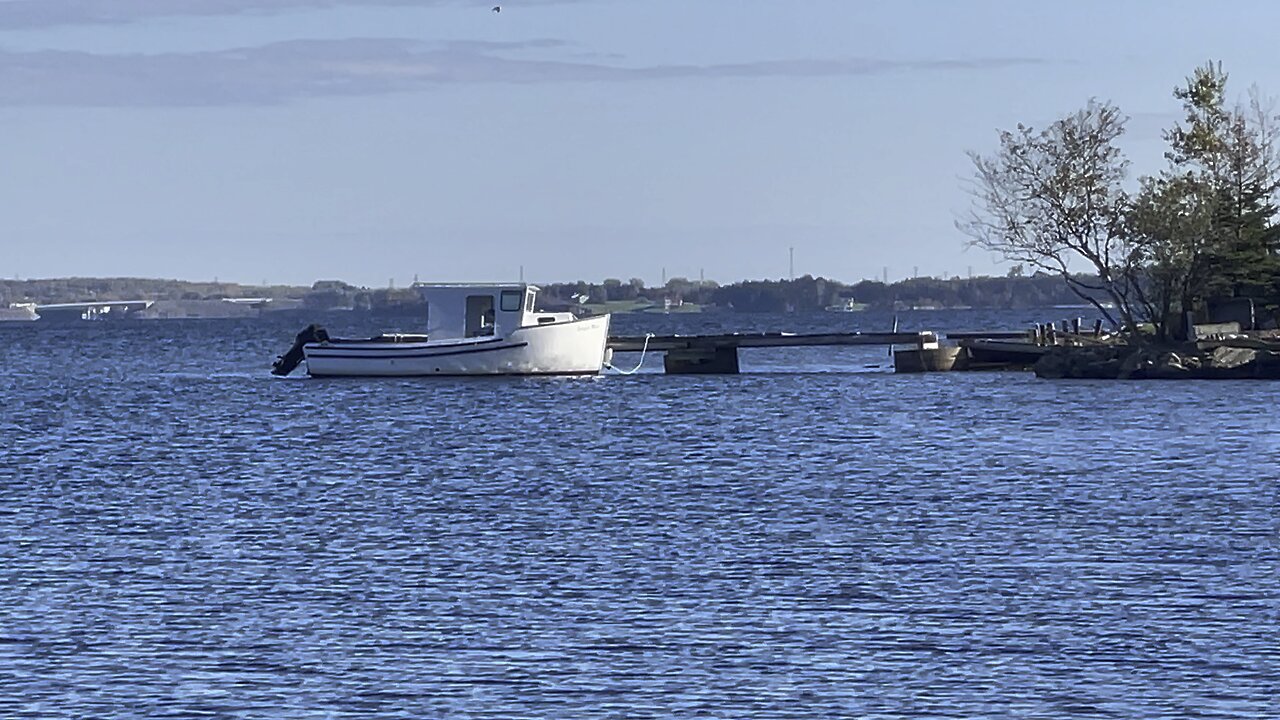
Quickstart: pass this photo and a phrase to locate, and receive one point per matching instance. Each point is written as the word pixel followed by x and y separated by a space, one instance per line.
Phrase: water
pixel 182 536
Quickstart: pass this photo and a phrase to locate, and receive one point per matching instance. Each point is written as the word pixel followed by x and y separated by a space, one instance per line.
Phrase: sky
pixel 376 141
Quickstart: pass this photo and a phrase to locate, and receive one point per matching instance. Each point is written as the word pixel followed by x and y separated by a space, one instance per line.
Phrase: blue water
pixel 183 536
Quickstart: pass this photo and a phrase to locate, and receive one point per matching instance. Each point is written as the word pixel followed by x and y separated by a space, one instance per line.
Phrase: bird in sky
pixel 497 8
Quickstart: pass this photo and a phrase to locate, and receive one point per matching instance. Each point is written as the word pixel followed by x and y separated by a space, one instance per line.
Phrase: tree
pixel 1170 233
pixel 1050 198
pixel 615 290
pixel 1206 225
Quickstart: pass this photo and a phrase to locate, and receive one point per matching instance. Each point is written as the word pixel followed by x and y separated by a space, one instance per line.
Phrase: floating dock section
pixel 913 352
pixel 718 354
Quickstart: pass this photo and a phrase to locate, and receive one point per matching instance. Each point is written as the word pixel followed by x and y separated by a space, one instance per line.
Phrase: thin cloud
pixel 299 69
pixel 33 14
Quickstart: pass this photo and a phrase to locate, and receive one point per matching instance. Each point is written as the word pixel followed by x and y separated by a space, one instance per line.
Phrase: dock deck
pixel 718 354
pixel 663 343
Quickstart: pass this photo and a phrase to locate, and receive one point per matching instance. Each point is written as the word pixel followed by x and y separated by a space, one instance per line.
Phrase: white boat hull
pixel 563 348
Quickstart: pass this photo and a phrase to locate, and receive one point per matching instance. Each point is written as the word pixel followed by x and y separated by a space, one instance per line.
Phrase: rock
pixel 1184 363
pixel 1135 365
pixel 1267 365
pixel 1107 369
pixel 1053 365
pixel 1097 363
pixel 1228 363
pixel 1224 358
pixel 1168 366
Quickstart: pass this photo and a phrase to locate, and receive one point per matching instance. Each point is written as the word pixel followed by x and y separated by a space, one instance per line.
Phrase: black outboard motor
pixel 292 359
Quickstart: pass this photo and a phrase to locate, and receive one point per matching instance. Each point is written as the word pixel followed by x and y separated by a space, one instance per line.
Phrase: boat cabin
pixel 461 311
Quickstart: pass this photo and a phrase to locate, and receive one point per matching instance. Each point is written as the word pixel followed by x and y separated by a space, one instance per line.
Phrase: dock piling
pixel 701 361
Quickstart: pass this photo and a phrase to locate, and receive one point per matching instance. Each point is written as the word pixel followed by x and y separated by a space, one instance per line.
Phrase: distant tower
pixel 915 271
pixel 521 273
pixel 391 284
pixel 702 276
pixel 664 277
pixel 884 273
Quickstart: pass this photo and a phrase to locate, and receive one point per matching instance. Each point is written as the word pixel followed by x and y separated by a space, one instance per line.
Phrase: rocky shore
pixel 1185 362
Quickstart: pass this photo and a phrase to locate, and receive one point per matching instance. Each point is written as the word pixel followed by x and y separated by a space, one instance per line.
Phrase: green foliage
pixel 1054 199
pixel 1205 227
pixel 321 296
pixel 56 290
pixel 809 294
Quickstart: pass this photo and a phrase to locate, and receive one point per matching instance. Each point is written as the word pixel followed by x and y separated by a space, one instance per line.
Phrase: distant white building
pixel 19 312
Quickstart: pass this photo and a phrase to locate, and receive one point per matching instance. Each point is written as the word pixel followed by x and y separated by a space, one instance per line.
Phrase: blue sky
pixel 370 140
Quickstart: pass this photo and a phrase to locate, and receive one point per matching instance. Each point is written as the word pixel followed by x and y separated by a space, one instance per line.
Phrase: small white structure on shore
pixel 19 312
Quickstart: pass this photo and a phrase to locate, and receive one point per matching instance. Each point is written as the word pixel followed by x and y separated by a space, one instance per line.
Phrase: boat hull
pixel 564 348
pixel 1003 353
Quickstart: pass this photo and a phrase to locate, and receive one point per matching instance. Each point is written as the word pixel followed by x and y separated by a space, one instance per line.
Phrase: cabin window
pixel 510 301
pixel 479 315
pixel 528 301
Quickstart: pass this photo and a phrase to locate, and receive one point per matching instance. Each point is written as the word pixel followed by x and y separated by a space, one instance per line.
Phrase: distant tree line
pixel 807 293
pixel 803 294
pixel 338 295
pixel 57 290
pixel 323 295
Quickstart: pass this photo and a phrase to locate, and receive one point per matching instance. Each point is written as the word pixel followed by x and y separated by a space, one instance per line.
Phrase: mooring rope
pixel 634 370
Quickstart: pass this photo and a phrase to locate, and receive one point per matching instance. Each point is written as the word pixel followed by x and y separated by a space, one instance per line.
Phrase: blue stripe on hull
pixel 568 373
pixel 328 353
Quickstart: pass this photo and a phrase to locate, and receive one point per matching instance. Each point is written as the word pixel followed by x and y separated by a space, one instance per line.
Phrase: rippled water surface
pixel 183 536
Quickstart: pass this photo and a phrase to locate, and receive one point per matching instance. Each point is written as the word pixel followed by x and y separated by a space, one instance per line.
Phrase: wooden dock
pixel 918 351
pixel 636 343
pixel 718 354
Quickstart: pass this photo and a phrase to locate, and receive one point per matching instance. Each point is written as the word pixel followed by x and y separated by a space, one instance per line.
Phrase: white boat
pixel 850 305
pixel 470 330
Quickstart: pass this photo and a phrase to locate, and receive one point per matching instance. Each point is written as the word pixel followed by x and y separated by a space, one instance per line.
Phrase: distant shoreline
pixel 180 298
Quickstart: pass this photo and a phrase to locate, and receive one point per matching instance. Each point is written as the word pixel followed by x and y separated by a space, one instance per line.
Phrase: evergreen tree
pixel 1206 226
